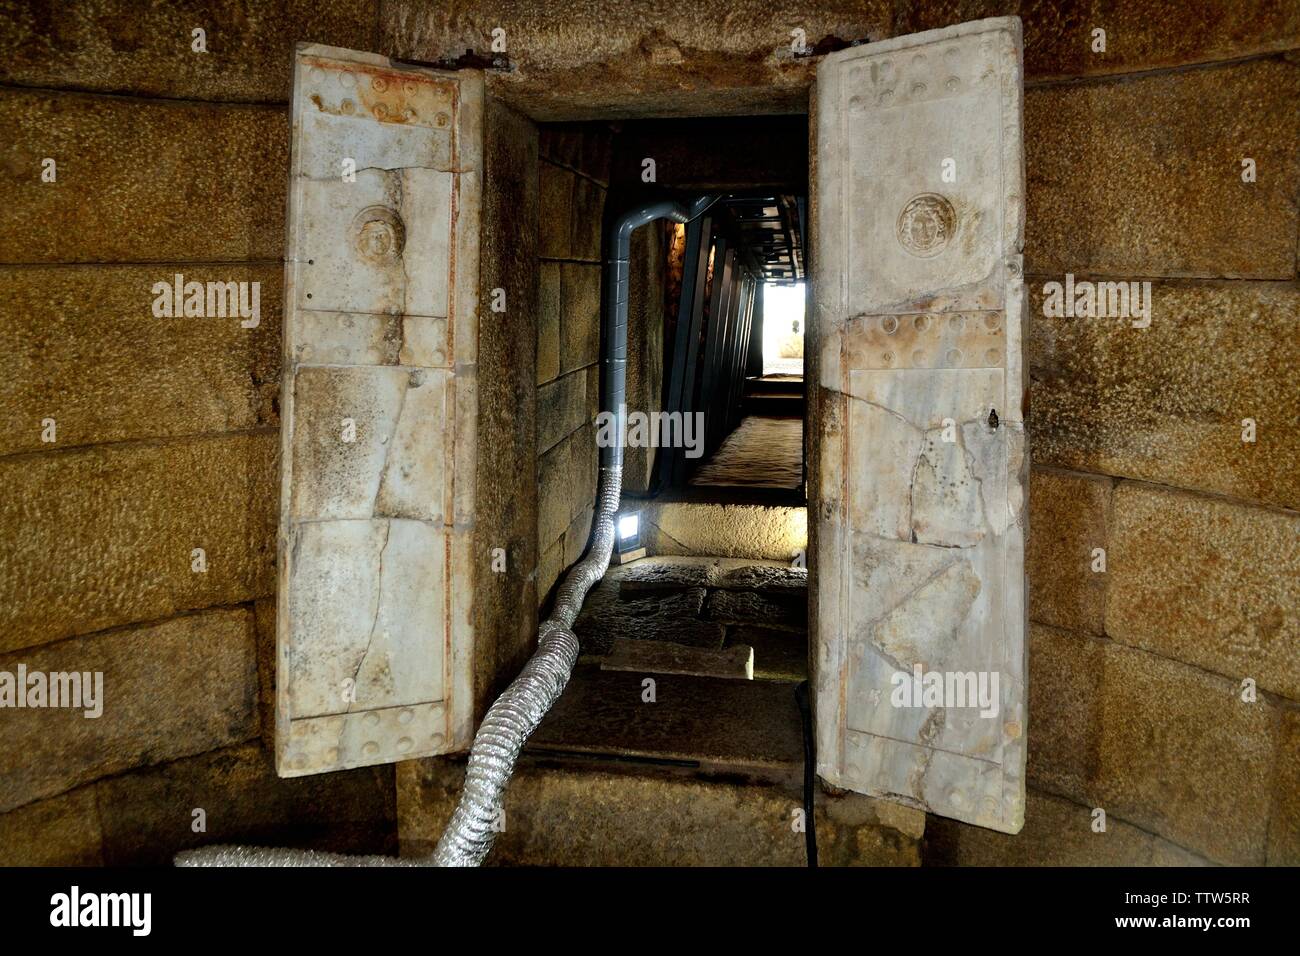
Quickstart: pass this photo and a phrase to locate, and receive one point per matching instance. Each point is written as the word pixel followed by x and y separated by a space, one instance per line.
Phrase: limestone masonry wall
pixel 573 181
pixel 167 430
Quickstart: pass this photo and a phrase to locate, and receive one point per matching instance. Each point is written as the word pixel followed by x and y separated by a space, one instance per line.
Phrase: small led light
pixel 629 539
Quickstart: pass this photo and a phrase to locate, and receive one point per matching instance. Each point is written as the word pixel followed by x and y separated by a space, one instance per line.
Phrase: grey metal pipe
pixel 524 703
pixel 618 254
pixel 514 715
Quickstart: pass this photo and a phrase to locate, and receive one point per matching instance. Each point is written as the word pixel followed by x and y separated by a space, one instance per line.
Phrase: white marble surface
pixel 375 641
pixel 922 468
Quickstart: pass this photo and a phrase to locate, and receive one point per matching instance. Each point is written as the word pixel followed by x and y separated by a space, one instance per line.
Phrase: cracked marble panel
pixel 376 119
pixel 367 246
pixel 366 634
pixel 948 623
pixel 394 463
pixel 375 642
pixel 920 446
pixel 363 338
pixel 915 114
pixel 920 452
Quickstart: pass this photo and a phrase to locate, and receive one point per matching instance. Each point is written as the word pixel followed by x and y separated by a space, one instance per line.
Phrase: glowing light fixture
pixel 629 527
pixel 629 546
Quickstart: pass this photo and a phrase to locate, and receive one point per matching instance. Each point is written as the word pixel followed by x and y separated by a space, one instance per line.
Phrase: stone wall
pixel 505 622
pixel 573 181
pixel 166 430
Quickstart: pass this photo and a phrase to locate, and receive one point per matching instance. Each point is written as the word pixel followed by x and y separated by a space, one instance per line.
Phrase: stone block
pixel 506 483
pixel 741 727
pixel 787 611
pixel 61 831
pixel 87 351
pixel 579 315
pixel 735 661
pixel 593 392
pixel 1057 832
pixel 1166 403
pixel 634 60
pixel 549 322
pixel 577 535
pixel 264 612
pixel 1143 177
pixel 148 814
pixel 678 572
pixel 732 531
pixel 555 227
pixel 169 690
pixel 118 46
pixel 764 577
pixel 778 655
pixel 1284 817
pixel 99 537
pixel 178 188
pixel 561 409
pixel 670 617
pixel 584 468
pixel 1182 756
pixel 553 505
pixel 561 143
pixel 1068 518
pixel 653 575
pixel 549 570
pixel 588 215
pixel 1208 581
pixel 580 148
pixel 1065 694
pixel 1141 34
pixel 572 816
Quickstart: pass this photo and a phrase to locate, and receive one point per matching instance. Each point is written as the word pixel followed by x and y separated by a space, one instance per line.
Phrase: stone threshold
pixel 715 724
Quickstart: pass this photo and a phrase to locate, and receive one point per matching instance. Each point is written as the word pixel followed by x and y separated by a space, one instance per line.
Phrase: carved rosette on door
pixel 922 465
pixel 374 622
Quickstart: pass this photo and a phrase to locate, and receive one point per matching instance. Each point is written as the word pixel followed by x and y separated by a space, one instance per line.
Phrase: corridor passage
pixel 763 452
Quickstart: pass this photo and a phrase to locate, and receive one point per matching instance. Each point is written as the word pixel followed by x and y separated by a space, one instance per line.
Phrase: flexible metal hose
pixel 519 710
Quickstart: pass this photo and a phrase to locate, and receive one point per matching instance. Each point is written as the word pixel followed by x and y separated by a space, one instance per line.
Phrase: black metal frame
pixel 711 349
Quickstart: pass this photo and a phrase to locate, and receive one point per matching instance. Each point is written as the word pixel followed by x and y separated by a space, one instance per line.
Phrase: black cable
pixel 809 773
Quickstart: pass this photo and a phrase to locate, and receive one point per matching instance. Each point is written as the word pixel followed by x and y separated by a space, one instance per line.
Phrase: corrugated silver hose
pixel 520 708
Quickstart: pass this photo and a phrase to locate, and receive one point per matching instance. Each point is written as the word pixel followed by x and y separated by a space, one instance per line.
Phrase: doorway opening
pixel 716 613
pixel 784 314
pixel 765 449
pixel 736 361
